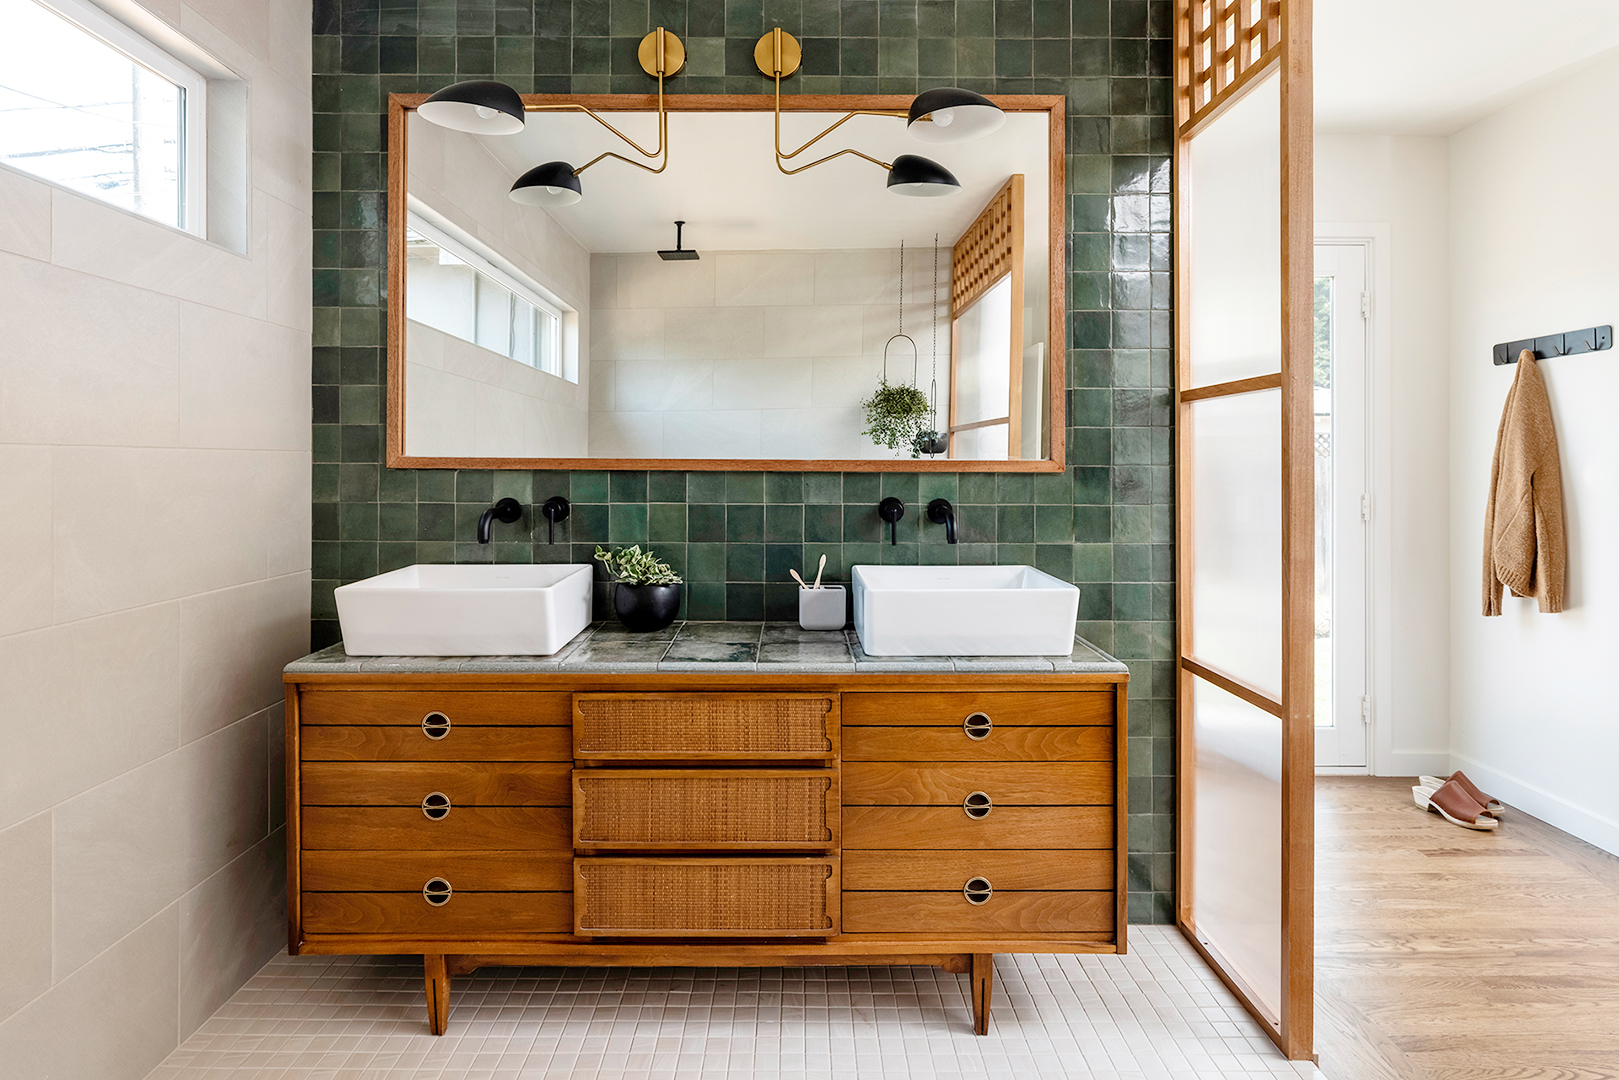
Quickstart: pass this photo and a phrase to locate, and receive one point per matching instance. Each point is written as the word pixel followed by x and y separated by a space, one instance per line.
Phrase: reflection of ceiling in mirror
pixel 723 182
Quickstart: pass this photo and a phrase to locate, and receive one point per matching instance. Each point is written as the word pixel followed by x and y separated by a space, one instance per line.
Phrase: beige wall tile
pixel 660 385
pixel 814 331
pixel 646 281
pixel 710 333
pixel 275 742
pixel 25 932
pixel 627 334
pixel 230 926
pixel 858 277
pixel 289 274
pixel 244 383
pixel 234 644
pixel 763 278
pixel 754 384
pixel 25 227
pixel 25 538
pixel 223 798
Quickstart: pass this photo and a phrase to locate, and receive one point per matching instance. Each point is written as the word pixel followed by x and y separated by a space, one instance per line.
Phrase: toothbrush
pixel 798 579
pixel 818 570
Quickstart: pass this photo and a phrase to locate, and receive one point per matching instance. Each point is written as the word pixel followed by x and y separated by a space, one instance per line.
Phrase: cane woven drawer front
pixel 404 783
pixel 1014 871
pixel 948 828
pixel 880 783
pixel 1008 709
pixel 1003 913
pixel 459 743
pixel 1002 743
pixel 464 828
pixel 465 913
pixel 401 708
pixel 646 727
pixel 705 809
pixel 466 871
pixel 715 897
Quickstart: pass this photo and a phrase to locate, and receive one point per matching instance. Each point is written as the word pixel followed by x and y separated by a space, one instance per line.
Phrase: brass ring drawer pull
pixel 437 892
pixel 436 806
pixel 977 891
pixel 977 726
pixel 435 725
pixel 977 805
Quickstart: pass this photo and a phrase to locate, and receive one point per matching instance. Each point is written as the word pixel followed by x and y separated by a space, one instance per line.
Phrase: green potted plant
pixel 646 591
pixel 896 416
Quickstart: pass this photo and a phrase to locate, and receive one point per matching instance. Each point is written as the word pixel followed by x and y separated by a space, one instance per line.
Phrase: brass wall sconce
pixel 486 107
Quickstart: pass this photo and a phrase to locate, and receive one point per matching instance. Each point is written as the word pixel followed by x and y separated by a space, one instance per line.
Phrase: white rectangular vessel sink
pixel 963 611
pixel 466 610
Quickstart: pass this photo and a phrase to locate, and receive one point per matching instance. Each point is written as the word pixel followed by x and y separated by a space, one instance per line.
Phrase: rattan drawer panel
pixel 1003 913
pixel 705 809
pixel 357 743
pixel 465 828
pixel 1017 871
pixel 716 897
pixel 881 783
pixel 647 727
pixel 407 708
pixel 406 914
pixel 921 744
pixel 408 871
pixel 948 828
pixel 405 783
pixel 1066 708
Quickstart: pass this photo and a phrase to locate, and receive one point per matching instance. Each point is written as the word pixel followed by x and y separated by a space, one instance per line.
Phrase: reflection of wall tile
pixel 626 334
pixel 648 281
pixel 754 384
pixel 763 277
pixel 822 330
pixel 702 333
pixel 663 385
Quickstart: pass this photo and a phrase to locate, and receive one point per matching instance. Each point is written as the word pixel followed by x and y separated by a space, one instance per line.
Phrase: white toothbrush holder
pixel 824 608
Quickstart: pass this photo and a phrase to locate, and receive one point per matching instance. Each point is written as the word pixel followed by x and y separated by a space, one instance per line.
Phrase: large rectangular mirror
pixel 535 337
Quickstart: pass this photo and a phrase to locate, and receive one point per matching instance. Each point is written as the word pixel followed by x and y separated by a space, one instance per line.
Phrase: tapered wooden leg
pixel 438 993
pixel 983 987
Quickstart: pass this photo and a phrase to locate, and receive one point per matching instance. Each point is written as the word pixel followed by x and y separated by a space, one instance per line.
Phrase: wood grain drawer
pixel 1011 709
pixel 501 708
pixel 358 743
pixel 404 828
pixel 1003 913
pixel 948 828
pixel 404 914
pixel 877 783
pixel 405 783
pixel 648 727
pixel 1014 871
pixel 408 871
pixel 914 744
pixel 705 809
pixel 716 897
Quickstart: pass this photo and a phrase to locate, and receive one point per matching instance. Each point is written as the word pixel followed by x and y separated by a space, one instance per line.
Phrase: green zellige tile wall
pixel 1105 523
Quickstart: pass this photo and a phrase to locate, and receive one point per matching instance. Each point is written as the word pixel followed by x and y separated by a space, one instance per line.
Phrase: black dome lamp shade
pixel 477 106
pixel 553 184
pixel 917 176
pixel 949 115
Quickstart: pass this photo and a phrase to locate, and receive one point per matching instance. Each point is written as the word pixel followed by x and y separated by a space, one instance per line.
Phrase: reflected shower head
pixel 679 254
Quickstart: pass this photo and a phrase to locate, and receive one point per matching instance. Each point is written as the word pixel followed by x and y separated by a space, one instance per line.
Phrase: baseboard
pixel 1403 763
pixel 1602 832
pixel 1342 770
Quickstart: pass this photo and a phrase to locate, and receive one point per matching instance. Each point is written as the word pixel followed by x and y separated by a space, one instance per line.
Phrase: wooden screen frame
pixel 400 105
pixel 1235 65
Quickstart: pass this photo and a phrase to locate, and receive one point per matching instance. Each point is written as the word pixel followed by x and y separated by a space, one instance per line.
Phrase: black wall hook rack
pixel 1593 339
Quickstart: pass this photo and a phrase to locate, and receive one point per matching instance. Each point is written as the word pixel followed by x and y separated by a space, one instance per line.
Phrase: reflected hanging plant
pixel 896 416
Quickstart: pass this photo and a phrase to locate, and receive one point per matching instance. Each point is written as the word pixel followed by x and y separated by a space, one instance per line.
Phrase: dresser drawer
pixel 701 727
pixel 404 914
pixel 705 809
pixel 1003 913
pixel 402 708
pixel 717 897
pixel 877 783
pixel 1045 871
pixel 919 744
pixel 405 783
pixel 949 828
pixel 384 828
pixel 409 871
pixel 355 743
pixel 952 710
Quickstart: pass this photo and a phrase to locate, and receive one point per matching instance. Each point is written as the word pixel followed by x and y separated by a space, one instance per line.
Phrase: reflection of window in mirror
pixel 995 383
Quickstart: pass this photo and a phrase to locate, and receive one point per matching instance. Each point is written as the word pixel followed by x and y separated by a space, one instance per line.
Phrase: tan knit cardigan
pixel 1525 542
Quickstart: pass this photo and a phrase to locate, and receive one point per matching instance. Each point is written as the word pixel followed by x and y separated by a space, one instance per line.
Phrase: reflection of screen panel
pixel 984 358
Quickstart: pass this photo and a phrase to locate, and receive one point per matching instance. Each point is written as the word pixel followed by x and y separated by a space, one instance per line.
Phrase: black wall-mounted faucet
pixel 507 510
pixel 554 510
pixel 940 512
pixel 891 510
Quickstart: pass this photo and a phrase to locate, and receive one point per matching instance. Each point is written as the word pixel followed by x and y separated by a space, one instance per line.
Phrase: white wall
pixel 1395 191
pixel 155 480
pixel 1533 232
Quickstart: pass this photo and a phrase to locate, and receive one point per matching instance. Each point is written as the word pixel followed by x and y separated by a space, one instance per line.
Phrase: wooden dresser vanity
pixel 762 818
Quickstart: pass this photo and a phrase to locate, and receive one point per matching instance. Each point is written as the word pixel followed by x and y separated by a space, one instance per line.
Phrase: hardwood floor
pixel 1448 954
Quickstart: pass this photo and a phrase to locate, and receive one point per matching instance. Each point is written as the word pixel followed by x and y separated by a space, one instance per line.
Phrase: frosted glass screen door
pixel 1244 276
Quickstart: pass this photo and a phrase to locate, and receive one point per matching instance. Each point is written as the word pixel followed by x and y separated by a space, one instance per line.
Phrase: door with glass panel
pixel 1244 507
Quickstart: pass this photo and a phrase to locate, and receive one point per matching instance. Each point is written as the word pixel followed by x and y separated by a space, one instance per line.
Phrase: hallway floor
pixel 1155 1014
pixel 1448 954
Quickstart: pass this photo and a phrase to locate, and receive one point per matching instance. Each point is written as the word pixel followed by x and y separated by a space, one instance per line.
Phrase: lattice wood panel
pixel 718 897
pixel 1219 45
pixel 717 808
pixel 990 248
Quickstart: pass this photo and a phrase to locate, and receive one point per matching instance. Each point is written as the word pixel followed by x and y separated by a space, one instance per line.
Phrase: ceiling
pixel 1432 67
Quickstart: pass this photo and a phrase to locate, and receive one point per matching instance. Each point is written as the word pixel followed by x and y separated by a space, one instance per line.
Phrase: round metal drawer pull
pixel 977 726
pixel 436 806
pixel 977 805
pixel 977 890
pixel 435 725
pixel 437 892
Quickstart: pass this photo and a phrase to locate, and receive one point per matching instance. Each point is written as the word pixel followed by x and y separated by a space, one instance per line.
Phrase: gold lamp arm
pixel 661 54
pixel 786 156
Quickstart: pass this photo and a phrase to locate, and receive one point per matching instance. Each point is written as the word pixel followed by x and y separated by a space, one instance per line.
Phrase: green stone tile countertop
pixel 719 647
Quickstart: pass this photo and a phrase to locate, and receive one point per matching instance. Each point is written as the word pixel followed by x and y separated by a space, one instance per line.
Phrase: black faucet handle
pixel 554 510
pixel 940 512
pixel 507 510
pixel 891 510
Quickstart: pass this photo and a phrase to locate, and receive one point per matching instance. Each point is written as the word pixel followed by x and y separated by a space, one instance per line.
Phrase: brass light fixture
pixel 486 107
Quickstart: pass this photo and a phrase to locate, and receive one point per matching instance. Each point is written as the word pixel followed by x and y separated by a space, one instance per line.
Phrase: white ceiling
pixel 722 181
pixel 1431 67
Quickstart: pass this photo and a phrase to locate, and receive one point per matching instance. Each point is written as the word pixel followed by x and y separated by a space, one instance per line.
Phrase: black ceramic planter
pixel 645 608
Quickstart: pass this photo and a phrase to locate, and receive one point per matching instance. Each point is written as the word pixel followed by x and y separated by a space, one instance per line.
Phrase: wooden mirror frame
pixel 400 105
